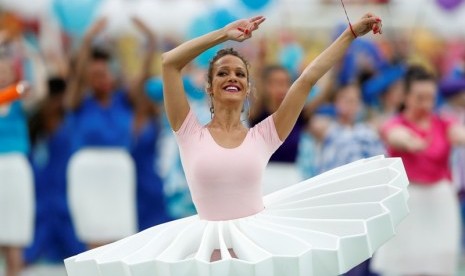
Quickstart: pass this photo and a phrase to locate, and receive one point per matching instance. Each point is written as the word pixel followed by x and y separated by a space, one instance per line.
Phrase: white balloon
pixel 118 14
pixel 29 9
pixel 164 17
pixel 169 17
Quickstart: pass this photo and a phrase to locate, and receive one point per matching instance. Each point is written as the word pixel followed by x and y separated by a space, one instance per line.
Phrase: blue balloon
pixel 255 4
pixel 154 89
pixel 200 26
pixel 75 16
pixel 291 57
pixel 204 24
pixel 193 91
pixel 222 17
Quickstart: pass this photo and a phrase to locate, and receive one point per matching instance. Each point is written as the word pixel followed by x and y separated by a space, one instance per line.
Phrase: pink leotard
pixel 226 183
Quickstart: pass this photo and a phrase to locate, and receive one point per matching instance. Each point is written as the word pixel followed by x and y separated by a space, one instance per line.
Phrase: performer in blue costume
pixel 54 236
pixel 116 119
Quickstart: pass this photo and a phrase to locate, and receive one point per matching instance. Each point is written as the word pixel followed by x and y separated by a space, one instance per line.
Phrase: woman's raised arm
pixel 288 112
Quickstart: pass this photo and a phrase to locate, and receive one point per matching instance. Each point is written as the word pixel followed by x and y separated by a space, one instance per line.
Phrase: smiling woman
pixel 228 72
pixel 322 226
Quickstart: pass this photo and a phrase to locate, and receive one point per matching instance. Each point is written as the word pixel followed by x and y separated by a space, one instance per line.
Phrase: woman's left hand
pixel 242 29
pixel 369 22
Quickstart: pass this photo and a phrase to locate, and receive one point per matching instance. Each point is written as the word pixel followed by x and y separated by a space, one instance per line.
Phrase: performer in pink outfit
pixel 237 192
pixel 323 226
pixel 428 241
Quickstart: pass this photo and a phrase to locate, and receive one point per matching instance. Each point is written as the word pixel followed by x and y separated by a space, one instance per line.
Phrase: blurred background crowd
pixel 96 93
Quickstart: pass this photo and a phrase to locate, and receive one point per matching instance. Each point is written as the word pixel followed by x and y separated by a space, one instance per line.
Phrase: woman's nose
pixel 232 79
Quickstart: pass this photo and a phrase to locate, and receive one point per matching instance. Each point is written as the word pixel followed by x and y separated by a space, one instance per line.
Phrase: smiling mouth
pixel 232 88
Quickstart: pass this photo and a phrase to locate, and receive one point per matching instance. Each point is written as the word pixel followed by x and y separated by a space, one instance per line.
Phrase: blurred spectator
pixel 122 121
pixel 16 185
pixel 54 236
pixel 345 139
pixel 100 116
pixel 384 94
pixel 427 242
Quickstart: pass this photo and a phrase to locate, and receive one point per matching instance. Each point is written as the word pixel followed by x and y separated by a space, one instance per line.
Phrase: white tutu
pixel 16 200
pixel 323 226
pixel 102 194
pixel 279 175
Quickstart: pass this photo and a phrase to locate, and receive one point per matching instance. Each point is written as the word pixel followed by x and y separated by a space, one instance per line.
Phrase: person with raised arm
pixel 428 241
pixel 304 229
pixel 114 133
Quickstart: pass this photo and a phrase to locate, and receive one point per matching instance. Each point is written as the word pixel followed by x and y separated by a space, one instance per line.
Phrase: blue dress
pixel 54 238
pixel 151 205
pixel 94 125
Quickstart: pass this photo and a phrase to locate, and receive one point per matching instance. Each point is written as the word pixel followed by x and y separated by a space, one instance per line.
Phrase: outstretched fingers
pixel 256 18
pixel 255 23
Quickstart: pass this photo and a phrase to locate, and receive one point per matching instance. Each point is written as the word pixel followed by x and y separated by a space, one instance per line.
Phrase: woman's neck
pixel 227 118
pixel 421 120
pixel 104 99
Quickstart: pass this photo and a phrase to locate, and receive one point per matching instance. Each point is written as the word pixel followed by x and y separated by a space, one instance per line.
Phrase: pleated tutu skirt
pixel 279 175
pixel 323 226
pixel 17 205
pixel 102 194
pixel 428 240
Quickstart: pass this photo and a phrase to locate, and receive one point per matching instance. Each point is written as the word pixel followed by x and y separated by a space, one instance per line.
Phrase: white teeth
pixel 232 88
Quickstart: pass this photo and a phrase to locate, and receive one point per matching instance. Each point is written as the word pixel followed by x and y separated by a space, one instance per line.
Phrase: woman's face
pixel 229 80
pixel 100 77
pixel 348 102
pixel 277 84
pixel 421 97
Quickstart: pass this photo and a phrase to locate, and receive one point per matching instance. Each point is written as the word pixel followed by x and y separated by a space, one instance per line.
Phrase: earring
pixel 212 109
pixel 248 107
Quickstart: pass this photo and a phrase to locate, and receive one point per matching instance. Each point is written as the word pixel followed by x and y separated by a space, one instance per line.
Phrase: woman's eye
pixel 240 74
pixel 222 74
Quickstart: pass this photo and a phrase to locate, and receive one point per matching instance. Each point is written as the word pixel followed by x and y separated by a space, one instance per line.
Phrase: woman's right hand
pixel 242 29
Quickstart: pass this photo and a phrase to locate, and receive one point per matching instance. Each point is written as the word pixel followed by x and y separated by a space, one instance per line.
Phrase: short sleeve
pixel 189 126
pixel 266 129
